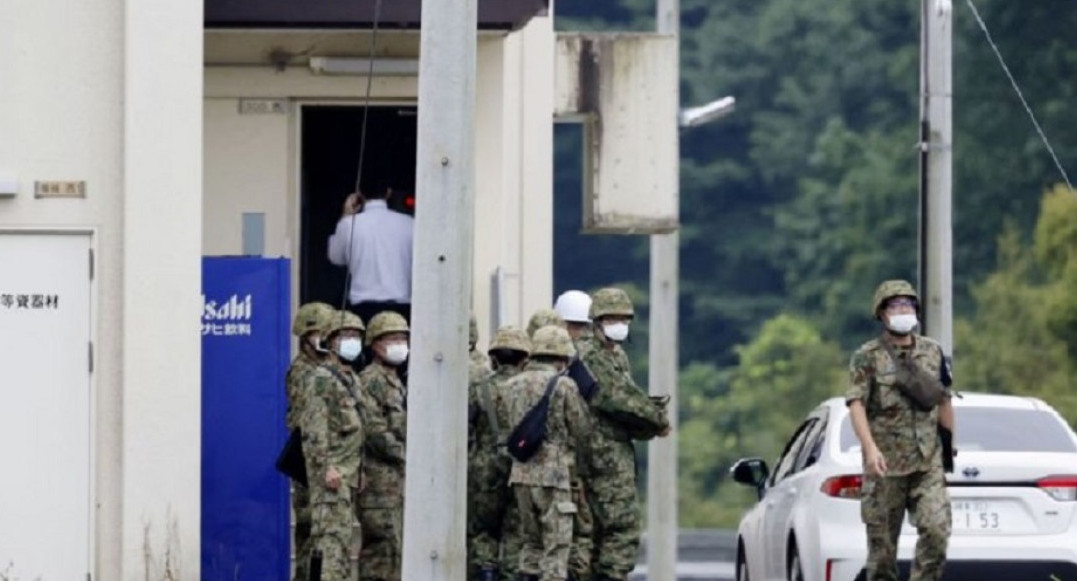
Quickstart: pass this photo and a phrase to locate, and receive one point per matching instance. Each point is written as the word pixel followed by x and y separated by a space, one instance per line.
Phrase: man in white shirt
pixel 375 243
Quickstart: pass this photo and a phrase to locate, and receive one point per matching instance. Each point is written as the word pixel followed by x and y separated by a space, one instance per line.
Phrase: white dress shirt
pixel 379 256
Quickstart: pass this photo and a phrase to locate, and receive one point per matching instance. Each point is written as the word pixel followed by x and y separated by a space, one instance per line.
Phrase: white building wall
pixel 84 96
pixel 514 166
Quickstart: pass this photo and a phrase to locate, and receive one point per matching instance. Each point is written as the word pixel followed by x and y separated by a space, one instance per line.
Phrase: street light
pixel 713 111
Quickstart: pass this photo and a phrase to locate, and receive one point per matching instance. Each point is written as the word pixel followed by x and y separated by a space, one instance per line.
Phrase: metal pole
pixel 662 378
pixel 936 161
pixel 435 491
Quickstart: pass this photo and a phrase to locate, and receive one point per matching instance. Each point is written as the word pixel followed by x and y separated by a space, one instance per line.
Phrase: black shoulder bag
pixel 528 435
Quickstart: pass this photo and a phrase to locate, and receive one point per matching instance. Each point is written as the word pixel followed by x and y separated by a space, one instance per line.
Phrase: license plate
pixel 976 515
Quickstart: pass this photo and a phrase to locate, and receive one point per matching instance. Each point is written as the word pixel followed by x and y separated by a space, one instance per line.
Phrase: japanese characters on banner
pixel 227 316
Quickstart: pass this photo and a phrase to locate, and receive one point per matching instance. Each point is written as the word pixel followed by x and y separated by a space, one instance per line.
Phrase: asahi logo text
pixel 234 308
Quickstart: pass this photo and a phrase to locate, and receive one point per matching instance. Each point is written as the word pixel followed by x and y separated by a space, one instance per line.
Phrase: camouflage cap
pixel 511 338
pixel 473 331
pixel 611 301
pixel 543 318
pixel 311 318
pixel 553 341
pixel 890 289
pixel 384 323
pixel 341 320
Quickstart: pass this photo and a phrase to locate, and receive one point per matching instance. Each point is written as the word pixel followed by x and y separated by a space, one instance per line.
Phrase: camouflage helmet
pixel 890 289
pixel 340 320
pixel 473 331
pixel 511 338
pixel 384 323
pixel 543 318
pixel 611 301
pixel 552 341
pixel 311 318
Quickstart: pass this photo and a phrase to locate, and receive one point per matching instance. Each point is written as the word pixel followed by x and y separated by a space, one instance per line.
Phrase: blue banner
pixel 245 355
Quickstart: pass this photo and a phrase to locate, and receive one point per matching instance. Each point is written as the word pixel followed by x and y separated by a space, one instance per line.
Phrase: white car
pixel 1013 492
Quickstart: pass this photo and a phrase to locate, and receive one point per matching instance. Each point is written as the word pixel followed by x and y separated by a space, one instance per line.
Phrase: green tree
pixel 751 411
pixel 1020 339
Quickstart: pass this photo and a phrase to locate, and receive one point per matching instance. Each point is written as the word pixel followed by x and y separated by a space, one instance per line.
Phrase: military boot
pixel 488 574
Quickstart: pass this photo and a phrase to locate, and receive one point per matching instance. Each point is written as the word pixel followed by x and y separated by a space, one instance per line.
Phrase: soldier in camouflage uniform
pixel 311 321
pixel 493 541
pixel 542 485
pixel 478 363
pixel 574 307
pixel 381 505
pixel 332 445
pixel 902 453
pixel 542 318
pixel 622 412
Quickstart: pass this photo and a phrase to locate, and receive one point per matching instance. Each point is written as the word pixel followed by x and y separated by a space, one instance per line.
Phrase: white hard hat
pixel 573 306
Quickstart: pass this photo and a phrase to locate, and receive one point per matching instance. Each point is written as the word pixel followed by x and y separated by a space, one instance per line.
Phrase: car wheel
pixel 795 572
pixel 742 567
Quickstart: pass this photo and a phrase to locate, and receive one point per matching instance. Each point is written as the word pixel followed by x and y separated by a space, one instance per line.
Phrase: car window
pixel 813 445
pixel 784 465
pixel 994 429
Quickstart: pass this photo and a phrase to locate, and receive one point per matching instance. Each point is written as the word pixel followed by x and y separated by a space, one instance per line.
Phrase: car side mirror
pixel 751 472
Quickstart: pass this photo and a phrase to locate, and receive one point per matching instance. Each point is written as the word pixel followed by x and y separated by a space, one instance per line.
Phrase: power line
pixel 1020 95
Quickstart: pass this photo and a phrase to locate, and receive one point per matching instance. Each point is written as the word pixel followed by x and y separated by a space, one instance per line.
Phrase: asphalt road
pixel 702 555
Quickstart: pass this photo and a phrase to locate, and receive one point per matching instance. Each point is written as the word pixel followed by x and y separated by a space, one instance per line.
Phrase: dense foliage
pixel 798 204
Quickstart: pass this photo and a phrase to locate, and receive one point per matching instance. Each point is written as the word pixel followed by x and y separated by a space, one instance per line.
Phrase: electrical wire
pixel 1020 94
pixel 362 148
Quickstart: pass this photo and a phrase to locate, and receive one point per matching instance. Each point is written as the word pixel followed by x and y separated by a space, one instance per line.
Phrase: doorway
pixel 45 405
pixel 329 161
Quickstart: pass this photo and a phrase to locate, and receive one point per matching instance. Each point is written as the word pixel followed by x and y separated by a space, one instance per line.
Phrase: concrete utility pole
pixel 436 488
pixel 662 378
pixel 936 161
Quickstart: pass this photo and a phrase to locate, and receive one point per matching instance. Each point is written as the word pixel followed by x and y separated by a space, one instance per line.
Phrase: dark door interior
pixel 330 142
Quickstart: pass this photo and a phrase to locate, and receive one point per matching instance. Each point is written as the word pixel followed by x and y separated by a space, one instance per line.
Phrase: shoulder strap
pixel 344 380
pixel 488 407
pixel 549 389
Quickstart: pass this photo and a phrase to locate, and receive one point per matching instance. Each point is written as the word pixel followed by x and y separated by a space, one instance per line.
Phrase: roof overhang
pixel 356 14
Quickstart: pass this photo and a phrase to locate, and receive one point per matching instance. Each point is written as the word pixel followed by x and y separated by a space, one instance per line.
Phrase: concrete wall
pixel 83 97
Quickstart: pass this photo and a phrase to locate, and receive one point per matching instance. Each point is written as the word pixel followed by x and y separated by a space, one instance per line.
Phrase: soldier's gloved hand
pixel 665 431
pixel 874 463
pixel 332 478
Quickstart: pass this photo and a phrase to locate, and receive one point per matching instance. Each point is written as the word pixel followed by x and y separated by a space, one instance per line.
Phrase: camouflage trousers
pixel 380 558
pixel 883 503
pixel 616 524
pixel 491 519
pixel 579 560
pixel 546 520
pixel 333 526
pixel 301 533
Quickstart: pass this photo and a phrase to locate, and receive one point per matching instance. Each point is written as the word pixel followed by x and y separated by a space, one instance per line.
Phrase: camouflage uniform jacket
pixel 478 366
pixel 300 367
pixel 907 437
pixel 616 389
pixel 384 407
pixel 332 427
pixel 554 463
pixel 487 455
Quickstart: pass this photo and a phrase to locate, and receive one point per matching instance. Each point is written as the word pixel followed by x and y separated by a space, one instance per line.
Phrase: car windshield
pixel 994 429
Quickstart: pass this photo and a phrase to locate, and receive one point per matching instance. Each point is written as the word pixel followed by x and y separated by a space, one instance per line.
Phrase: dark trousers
pixel 367 310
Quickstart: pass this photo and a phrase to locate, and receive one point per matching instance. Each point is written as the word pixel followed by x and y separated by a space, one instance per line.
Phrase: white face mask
pixel 396 353
pixel 902 324
pixel 615 331
pixel 350 348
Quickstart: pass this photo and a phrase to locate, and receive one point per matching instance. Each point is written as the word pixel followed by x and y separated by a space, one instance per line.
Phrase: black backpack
pixel 528 435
